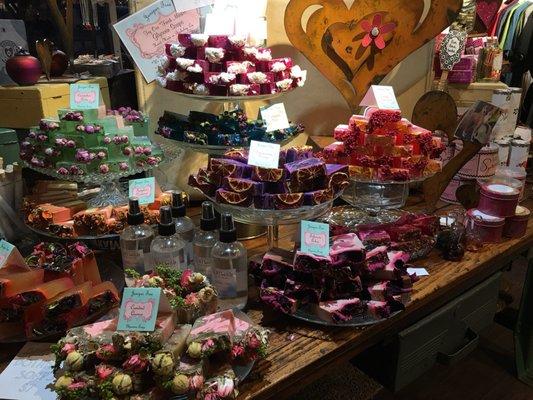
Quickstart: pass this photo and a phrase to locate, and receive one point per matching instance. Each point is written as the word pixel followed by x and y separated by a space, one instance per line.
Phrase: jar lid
pixel 512 172
pixel 501 180
pixel 520 143
pixel 477 214
pixel 501 91
pixel 503 142
pixel 522 211
pixel 499 189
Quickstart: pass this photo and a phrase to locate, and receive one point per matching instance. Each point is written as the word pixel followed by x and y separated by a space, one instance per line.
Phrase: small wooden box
pixel 469 94
pixel 23 106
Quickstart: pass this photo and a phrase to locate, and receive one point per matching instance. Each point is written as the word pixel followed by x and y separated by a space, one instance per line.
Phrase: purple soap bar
pixel 378 309
pixel 334 168
pixel 277 261
pixel 342 289
pixel 276 187
pixel 264 202
pixel 234 199
pixel 242 185
pixel 373 239
pixel 395 268
pixel 318 197
pixel 296 154
pixel 305 262
pixel 277 299
pixel 306 169
pixel 240 155
pixel 302 292
pixel 339 311
pixel 347 246
pixel 267 174
pixel 223 167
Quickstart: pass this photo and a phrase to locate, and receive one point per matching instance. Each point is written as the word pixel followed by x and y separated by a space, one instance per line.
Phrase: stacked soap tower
pixel 218 65
pixel 57 288
pixel 351 282
pixel 385 147
pixel 54 206
pixel 300 180
pixel 185 361
pixel 230 128
pixel 134 118
pixel 87 142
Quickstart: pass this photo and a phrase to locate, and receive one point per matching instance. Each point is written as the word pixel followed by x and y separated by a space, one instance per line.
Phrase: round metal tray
pixel 362 321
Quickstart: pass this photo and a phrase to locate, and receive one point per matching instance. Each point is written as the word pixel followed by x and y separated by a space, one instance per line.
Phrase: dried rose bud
pixel 63 382
pixel 180 384
pixel 62 171
pixel 123 166
pixel 107 140
pixel 104 168
pixel 74 361
pixel 122 384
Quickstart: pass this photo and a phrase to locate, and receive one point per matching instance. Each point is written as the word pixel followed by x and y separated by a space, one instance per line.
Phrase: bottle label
pixel 225 282
pixel 169 259
pixel 133 259
pixel 203 265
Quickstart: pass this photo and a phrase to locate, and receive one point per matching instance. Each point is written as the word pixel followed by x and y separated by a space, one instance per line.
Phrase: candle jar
pixel 515 173
pixel 498 200
pixel 453 241
pixel 516 226
pixel 488 228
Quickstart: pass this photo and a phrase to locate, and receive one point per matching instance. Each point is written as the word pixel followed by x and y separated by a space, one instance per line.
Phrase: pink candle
pixel 516 226
pixel 498 200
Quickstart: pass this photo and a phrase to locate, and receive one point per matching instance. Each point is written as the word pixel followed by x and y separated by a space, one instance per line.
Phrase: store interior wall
pixel 318 105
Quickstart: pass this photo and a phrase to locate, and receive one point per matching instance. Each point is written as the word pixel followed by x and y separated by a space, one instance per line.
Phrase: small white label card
pixel 143 189
pixel 186 5
pixel 146 32
pixel 264 155
pixel 275 117
pixel 29 375
pixel 314 238
pixel 382 97
pixel 418 271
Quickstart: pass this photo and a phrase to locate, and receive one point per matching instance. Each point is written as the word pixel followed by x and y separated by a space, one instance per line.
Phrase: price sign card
pixel 382 97
pixel 314 238
pixel 265 155
pixel 418 271
pixel 84 96
pixel 146 32
pixel 275 117
pixel 143 189
pixel 138 311
pixel 9 255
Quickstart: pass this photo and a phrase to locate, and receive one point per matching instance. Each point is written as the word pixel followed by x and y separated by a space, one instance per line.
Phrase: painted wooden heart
pixel 355 47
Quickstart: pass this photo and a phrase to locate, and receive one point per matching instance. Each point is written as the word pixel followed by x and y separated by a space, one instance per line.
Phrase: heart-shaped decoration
pixel 44 52
pixel 356 47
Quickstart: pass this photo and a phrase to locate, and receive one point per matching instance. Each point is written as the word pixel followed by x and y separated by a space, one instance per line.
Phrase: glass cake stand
pixel 304 314
pixel 172 148
pixel 232 102
pixel 110 193
pixel 376 196
pixel 273 218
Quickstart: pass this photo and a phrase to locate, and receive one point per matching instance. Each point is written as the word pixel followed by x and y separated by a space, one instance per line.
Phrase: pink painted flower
pixel 104 371
pixel 225 387
pixel 196 382
pixel 68 348
pixel 70 143
pixel 42 138
pixel 101 155
pixel 191 299
pixel 185 281
pixel 127 151
pixel 107 140
pixel 77 385
pixel 135 364
pixel 123 166
pixel 32 135
pixel 62 171
pixel 375 31
pixel 106 351
pixel 254 342
pixel 152 160
pixel 237 351
pixel 208 345
pixel 104 169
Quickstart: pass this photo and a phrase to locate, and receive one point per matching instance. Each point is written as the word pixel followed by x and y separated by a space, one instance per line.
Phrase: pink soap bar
pixel 343 132
pixel 464 77
pixel 240 67
pixel 339 311
pixel 244 90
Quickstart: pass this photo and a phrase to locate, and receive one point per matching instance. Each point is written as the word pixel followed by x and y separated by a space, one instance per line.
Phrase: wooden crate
pixel 469 94
pixel 23 106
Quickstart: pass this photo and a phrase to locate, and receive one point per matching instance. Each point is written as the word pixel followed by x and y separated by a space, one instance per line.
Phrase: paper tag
pixel 138 311
pixel 84 96
pixel 478 122
pixel 451 48
pixel 382 97
pixel 29 375
pixel 418 271
pixel 146 32
pixel 186 5
pixel 5 250
pixel 275 117
pixel 314 238
pixel 265 155
pixel 143 189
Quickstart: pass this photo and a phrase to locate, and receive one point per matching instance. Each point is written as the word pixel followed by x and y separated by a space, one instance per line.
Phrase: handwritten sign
pixel 382 97
pixel 146 32
pixel 84 96
pixel 275 117
pixel 143 189
pixel 29 375
pixel 315 238
pixel 138 311
pixel 265 155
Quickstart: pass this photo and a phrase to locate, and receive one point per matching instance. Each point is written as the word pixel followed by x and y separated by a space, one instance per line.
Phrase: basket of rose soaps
pixel 220 65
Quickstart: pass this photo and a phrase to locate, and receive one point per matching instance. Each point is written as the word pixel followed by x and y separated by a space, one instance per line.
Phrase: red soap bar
pixel 91 273
pixel 104 297
pixel 44 291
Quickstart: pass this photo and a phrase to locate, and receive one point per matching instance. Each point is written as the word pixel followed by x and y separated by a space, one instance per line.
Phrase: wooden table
pixel 300 353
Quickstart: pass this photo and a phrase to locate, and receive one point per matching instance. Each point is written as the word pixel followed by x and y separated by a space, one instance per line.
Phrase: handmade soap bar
pixel 211 334
pixel 339 311
pixel 12 284
pixel 104 296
